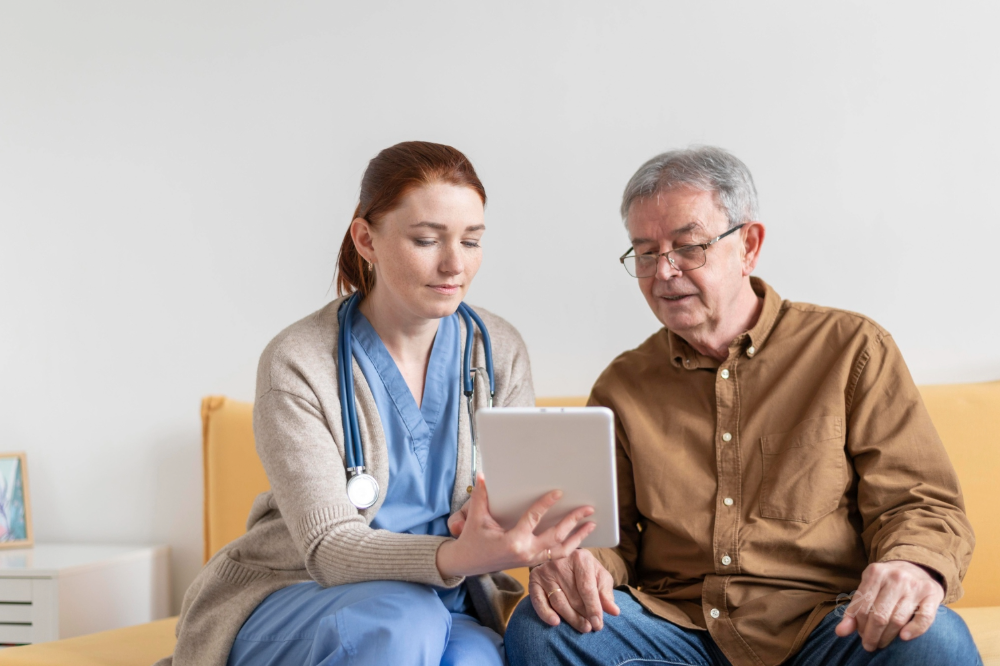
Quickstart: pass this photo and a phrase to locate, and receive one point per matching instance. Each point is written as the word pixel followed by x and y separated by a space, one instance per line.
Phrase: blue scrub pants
pixel 376 622
pixel 637 636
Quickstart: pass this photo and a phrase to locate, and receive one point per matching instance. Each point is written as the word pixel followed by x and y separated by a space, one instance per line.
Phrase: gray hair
pixel 704 168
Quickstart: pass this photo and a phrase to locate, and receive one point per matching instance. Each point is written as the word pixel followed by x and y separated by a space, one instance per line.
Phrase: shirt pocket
pixel 803 470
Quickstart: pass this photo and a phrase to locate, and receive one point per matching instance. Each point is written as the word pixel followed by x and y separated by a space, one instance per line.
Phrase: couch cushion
pixel 984 623
pixel 140 645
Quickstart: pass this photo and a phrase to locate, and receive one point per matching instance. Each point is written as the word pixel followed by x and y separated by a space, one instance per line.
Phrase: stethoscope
pixel 362 488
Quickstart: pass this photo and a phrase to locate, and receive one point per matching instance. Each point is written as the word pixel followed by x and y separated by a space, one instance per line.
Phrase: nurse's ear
pixel 361 233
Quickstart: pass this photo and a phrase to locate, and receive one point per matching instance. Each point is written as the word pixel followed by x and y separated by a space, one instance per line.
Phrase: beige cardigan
pixel 305 528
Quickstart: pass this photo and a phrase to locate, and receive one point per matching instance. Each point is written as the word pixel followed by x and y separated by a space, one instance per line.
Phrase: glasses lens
pixel 689 257
pixel 641 266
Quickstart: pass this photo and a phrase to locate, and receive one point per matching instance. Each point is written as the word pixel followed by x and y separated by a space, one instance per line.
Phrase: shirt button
pixel 725 374
pixel 726 560
pixel 715 613
pixel 751 351
pixel 726 437
pixel 728 501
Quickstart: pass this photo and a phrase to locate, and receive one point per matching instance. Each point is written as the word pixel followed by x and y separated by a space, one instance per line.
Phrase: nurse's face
pixel 426 251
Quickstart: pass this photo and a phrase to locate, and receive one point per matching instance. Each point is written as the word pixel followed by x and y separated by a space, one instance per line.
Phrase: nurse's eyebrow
pixel 437 226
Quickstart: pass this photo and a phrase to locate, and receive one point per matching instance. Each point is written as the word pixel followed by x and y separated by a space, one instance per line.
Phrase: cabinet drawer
pixel 15 633
pixel 15 612
pixel 15 589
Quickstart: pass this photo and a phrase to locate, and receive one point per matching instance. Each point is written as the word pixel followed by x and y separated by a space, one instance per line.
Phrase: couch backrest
pixel 233 473
pixel 966 417
pixel 964 414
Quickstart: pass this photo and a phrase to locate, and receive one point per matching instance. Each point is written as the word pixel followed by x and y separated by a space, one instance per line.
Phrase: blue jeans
pixel 371 623
pixel 639 637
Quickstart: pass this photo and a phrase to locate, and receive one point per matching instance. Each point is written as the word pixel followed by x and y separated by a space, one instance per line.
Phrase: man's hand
pixel 577 587
pixel 895 598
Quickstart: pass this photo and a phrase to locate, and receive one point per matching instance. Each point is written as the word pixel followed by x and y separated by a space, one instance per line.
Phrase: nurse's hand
pixel 577 588
pixel 483 546
pixel 456 521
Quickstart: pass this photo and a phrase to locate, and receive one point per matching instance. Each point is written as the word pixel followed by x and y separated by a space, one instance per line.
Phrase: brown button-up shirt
pixel 754 491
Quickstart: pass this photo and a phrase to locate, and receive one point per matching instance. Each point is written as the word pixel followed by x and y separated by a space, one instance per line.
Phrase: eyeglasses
pixel 685 258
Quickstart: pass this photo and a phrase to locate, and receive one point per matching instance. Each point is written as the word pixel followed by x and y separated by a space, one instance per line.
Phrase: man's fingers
pixel 586 586
pixel 846 627
pixel 606 588
pixel 900 616
pixel 877 620
pixel 540 602
pixel 559 600
pixel 529 521
pixel 922 620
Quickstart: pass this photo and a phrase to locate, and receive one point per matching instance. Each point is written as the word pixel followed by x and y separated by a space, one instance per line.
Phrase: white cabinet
pixel 56 591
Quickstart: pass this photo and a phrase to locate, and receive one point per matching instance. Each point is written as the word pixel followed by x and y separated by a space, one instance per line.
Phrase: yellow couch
pixel 964 416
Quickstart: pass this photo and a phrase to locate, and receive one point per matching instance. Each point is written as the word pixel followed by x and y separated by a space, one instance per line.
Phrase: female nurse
pixel 409 580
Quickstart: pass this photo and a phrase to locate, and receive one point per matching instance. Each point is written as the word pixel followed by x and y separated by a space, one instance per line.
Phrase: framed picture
pixel 15 510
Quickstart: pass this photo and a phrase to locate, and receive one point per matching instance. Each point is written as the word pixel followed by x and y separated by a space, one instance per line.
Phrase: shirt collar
pixel 768 314
pixel 683 355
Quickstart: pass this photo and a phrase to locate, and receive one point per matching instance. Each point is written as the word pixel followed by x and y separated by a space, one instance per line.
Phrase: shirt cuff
pixel 936 562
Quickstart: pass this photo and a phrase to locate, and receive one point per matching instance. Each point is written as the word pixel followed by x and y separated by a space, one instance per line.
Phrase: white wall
pixel 175 179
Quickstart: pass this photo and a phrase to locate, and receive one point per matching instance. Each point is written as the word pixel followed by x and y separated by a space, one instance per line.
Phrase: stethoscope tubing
pixel 353 450
pixel 468 381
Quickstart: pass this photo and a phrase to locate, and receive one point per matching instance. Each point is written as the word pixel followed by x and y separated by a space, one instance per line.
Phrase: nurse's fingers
pixel 567 547
pixel 479 502
pixel 529 521
pixel 560 532
pixel 456 521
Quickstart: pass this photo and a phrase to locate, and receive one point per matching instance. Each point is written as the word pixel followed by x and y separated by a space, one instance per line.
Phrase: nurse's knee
pixel 396 611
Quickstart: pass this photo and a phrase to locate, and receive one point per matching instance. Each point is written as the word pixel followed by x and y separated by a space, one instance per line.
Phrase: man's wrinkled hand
pixel 895 598
pixel 576 588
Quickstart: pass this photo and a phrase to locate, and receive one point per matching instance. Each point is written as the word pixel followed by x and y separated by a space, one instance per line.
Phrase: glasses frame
pixel 703 246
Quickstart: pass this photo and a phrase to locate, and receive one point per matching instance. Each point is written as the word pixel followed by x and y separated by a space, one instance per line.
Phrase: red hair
pixel 389 177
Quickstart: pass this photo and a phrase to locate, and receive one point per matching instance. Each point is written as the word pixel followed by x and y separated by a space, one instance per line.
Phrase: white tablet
pixel 525 453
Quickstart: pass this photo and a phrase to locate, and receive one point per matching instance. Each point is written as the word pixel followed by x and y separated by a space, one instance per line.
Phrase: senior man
pixel 783 495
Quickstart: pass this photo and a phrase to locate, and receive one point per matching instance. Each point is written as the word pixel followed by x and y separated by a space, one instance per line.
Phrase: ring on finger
pixel 549 595
pixel 548 554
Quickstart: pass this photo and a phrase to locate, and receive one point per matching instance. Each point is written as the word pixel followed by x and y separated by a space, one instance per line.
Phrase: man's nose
pixel 664 269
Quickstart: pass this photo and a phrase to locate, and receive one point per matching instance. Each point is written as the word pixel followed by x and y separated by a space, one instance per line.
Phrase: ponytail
pixel 353 272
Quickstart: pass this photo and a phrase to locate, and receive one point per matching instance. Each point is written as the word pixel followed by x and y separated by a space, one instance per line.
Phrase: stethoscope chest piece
pixel 362 490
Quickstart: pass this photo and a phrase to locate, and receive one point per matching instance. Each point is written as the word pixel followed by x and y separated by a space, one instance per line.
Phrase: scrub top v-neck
pixel 422 441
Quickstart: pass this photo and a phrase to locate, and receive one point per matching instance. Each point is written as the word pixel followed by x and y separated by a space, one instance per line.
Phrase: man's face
pixel 693 303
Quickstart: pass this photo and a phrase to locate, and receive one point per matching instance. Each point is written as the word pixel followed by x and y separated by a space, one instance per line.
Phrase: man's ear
pixel 361 232
pixel 753 238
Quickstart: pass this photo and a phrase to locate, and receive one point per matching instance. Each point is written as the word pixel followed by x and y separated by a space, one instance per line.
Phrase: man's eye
pixel 470 244
pixel 423 242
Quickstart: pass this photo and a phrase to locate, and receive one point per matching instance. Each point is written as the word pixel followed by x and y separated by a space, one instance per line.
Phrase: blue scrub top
pixel 422 441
